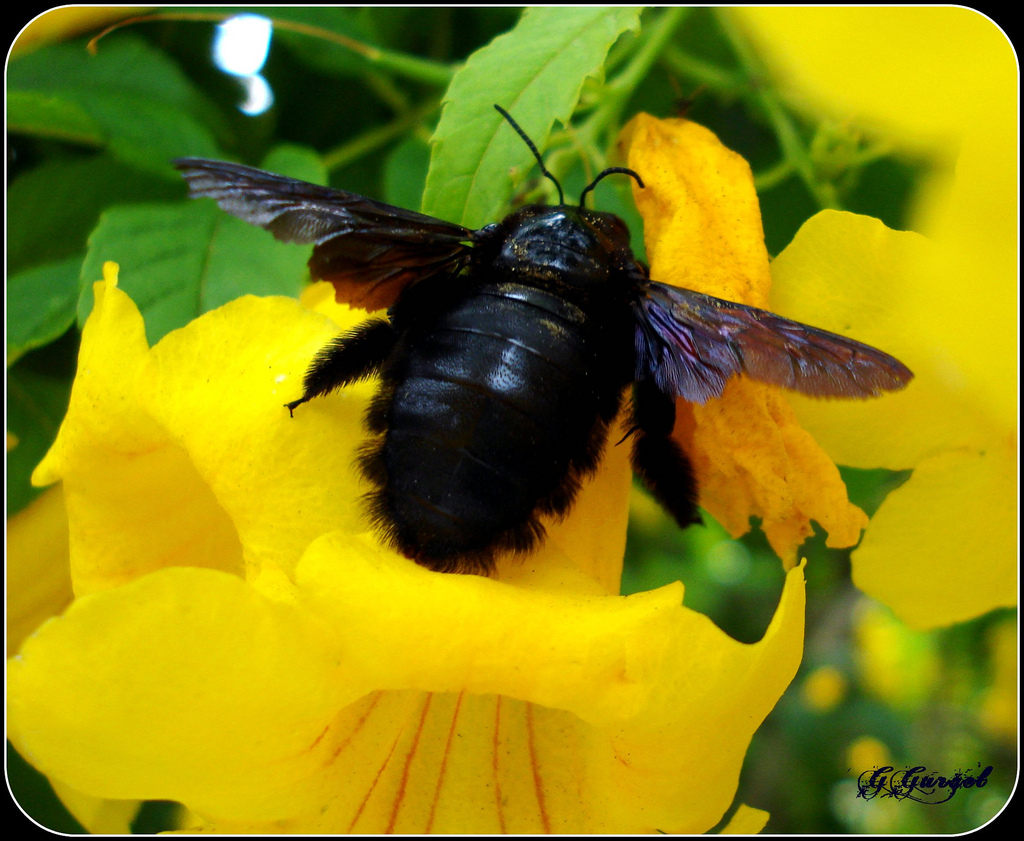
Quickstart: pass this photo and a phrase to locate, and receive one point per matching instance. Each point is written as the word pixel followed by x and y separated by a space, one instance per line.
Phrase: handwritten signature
pixel 917 783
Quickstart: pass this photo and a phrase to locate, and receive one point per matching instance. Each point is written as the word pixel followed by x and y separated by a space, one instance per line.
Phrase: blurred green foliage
pixel 357 98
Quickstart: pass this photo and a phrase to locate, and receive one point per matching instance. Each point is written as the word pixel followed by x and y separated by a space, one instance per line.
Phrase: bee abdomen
pixel 487 415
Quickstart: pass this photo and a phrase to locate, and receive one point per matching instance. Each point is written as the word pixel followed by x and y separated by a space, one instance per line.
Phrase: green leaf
pixel 41 230
pixel 181 260
pixel 129 96
pixel 405 173
pixel 40 305
pixel 535 72
pixel 45 115
pixel 150 134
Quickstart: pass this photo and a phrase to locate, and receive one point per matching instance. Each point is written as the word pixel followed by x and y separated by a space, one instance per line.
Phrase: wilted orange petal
pixel 703 232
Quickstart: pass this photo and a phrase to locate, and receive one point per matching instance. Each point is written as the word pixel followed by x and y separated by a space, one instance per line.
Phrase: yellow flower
pixel 239 645
pixel 942 81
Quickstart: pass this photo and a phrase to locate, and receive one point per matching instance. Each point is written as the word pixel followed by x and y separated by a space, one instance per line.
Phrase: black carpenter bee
pixel 506 352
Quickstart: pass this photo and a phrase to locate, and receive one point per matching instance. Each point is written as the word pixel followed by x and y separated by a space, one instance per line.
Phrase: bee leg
pixel 349 357
pixel 657 459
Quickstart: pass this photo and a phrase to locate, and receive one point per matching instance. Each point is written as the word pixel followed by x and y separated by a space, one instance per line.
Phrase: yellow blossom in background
pixel 866 754
pixel 917 73
pixel 239 645
pixel 824 688
pixel 998 713
pixel 941 82
pixel 63 23
pixel 898 665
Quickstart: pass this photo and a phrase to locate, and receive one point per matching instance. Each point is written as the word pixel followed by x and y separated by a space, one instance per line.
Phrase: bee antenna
pixel 536 154
pixel 610 171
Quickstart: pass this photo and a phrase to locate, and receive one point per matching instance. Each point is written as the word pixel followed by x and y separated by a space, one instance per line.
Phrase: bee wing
pixel 691 344
pixel 369 250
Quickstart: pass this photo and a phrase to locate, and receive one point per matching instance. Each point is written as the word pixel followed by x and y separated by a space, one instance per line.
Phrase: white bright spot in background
pixel 240 48
pixel 258 96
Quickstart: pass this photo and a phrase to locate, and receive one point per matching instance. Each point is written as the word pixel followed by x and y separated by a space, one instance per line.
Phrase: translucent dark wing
pixel 691 344
pixel 369 250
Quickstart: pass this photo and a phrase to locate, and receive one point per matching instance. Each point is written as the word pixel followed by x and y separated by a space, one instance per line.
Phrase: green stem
pixel 871 154
pixel 382 85
pixel 652 42
pixel 773 176
pixel 417 69
pixel 794 149
pixel 422 70
pixel 375 138
pixel 703 72
pixel 656 37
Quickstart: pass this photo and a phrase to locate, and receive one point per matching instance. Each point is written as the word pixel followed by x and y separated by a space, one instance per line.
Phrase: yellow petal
pixel 855 276
pixel 184 685
pixel 746 821
pixel 703 232
pixel 942 548
pixel 727 687
pixel 96 814
pixel 486 764
pixel 752 458
pixel 113 350
pixel 702 219
pixel 320 298
pixel 446 633
pixel 220 395
pixel 852 275
pixel 38 579
pixel 188 685
pixel 185 455
pixel 134 503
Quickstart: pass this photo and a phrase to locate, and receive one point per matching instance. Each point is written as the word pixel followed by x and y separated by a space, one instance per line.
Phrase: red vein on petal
pixel 494 767
pixel 538 785
pixel 316 741
pixel 376 779
pixel 444 763
pixel 400 794
pixel 358 726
